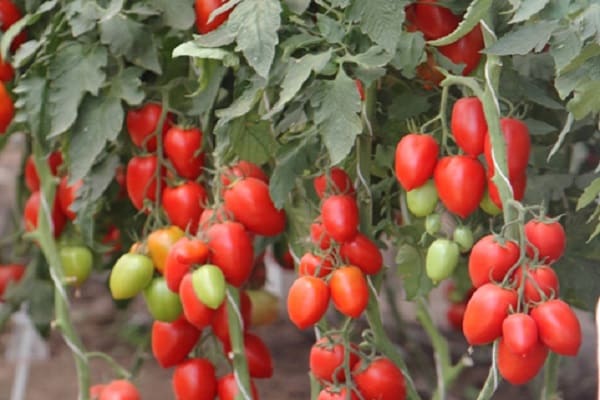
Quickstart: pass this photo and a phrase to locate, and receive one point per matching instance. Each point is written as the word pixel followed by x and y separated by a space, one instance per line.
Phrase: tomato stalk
pixel 491 382
pixel 236 335
pixel 550 376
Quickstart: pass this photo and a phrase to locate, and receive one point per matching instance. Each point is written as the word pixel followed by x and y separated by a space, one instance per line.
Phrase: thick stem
pixel 236 335
pixel 550 377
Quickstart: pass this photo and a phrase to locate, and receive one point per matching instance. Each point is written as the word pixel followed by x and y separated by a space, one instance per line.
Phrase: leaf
pixel 220 37
pixel 100 120
pixel 476 11
pixel 256 23
pixel 547 187
pixel 297 6
pixel 589 21
pixel 337 105
pixel 374 57
pixel 410 264
pixel 567 46
pixel 75 70
pixel 255 141
pixel 539 128
pixel 332 30
pixel 381 20
pixel 340 3
pixel 528 9
pixel 128 86
pixel 579 278
pixel 561 137
pixel 25 52
pixel 523 39
pixel 410 53
pixel 178 14
pixel 32 94
pixel 82 16
pixel 243 104
pixel 192 49
pixel 585 100
pixel 589 194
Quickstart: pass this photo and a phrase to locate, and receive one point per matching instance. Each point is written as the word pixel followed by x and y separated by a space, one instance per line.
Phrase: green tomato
pixel 77 262
pixel 488 205
pixel 441 260
pixel 463 236
pixel 209 285
pixel 163 304
pixel 130 275
pixel 422 200
pixel 433 223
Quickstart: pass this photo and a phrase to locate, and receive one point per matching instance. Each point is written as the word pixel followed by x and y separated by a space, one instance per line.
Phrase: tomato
pixel 463 236
pixel 415 160
pixel 7 73
pixel 547 239
pixel 258 355
pixel 362 252
pixel 228 388
pixel 184 204
pixel 231 250
pixel 120 390
pixel 220 323
pixel 196 313
pixel 77 262
pixel 307 301
pixel 433 223
pixel 558 327
pixel 380 379
pixel 540 280
pixel 32 179
pixel 66 195
pixel 487 204
pixel 465 50
pixel 142 122
pixel 141 179
pixel 9 14
pixel 314 265
pixel 243 169
pixel 182 147
pixel 162 303
pixel 195 379
pixel 491 259
pixel 517 147
pixel 318 235
pixel 429 73
pixel 460 182
pixel 10 273
pixel 518 369
pixel 172 341
pixel 421 201
pixel 340 217
pixel 209 285
pixel 31 210
pixel 330 393
pixel 442 259
pixel 517 183
pixel 160 242
pixel 360 89
pixel 96 391
pixel 468 125
pixel 456 315
pixel 212 216
pixel 433 20
pixel 486 310
pixel 336 181
pixel 180 258
pixel 520 333
pixel 349 291
pixel 112 238
pixel 327 360
pixel 130 275
pixel 249 201
pixel 265 307
pixel 204 9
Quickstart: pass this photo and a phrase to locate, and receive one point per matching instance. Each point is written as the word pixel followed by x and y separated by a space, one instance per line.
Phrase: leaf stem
pixel 550 377
pixel 236 336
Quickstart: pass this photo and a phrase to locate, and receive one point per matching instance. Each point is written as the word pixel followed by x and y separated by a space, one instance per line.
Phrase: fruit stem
pixel 491 382
pixel 550 377
pixel 236 336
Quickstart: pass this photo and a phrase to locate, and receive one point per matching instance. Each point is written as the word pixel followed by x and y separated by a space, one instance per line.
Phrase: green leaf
pixel 178 14
pixel 25 52
pixel 100 120
pixel 75 70
pixel 337 105
pixel 220 37
pixel 528 9
pixel 410 53
pixel 254 141
pixel 243 104
pixel 537 127
pixel 256 23
pixel 567 46
pixel 476 11
pixel 585 100
pixel 579 278
pixel 82 16
pixel 410 263
pixel 374 57
pixel 332 30
pixel 542 188
pixel 128 86
pixel 589 194
pixel 340 3
pixel 523 39
pixel 381 20
pixel 297 6
pixel 32 94
pixel 589 21
pixel 192 49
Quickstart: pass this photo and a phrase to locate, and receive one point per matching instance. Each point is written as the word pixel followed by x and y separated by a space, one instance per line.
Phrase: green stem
pixel 491 383
pixel 550 377
pixel 236 335
pixel 111 361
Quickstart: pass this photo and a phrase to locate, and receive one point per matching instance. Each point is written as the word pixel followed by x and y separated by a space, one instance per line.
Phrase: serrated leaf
pixel 32 93
pixel 374 57
pixel 75 70
pixel 82 16
pixel 25 52
pixel 243 104
pixel 589 21
pixel 10 35
pixel 523 39
pixel 178 14
pixel 410 53
pixel 254 142
pixel 589 52
pixel 476 11
pixel 528 9
pixel 128 86
pixel 589 194
pixel 100 120
pixel 411 267
pixel 332 30
pixel 585 100
pixel 381 20
pixel 192 49
pixel 567 45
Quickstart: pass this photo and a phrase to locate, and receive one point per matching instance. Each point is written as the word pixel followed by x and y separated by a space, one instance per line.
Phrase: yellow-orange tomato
pixel 159 243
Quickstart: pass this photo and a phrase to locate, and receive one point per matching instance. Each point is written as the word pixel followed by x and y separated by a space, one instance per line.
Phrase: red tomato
pixel 520 333
pixel 336 182
pixel 548 238
pixel 486 311
pixel 258 355
pixel 468 125
pixel 195 312
pixel 415 160
pixel 330 393
pixel 518 184
pixel 228 388
pixel 7 109
pixel 362 252
pixel 349 291
pixel 327 360
pixel 249 201
pixel 220 324
pixel 243 169
pixel 30 215
pixel 112 238
pixel 558 327
pixel 142 122
pixel 195 379
pixel 490 260
pixel 340 217
pixel 433 20
pixel 360 89
pixel 10 273
pixel 456 314
pixel 32 179
pixel 141 179
pixel 204 8
pixel 465 50
pixel 518 369
pixel 540 280
pixel 460 182
pixel 307 301
pixel 7 73
pixel 172 341
pixel 182 147
pixel 380 379
pixel 314 265
pixel 120 390
pixel 212 216
pixel 9 14
pixel 180 258
pixel 96 391
pixel 184 205
pixel 66 196
pixel 231 250
pixel 518 146
pixel 318 234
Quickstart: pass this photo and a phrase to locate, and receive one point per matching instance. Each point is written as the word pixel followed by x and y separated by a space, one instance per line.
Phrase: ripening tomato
pixel 77 262
pixel 196 313
pixel 517 183
pixel 162 303
pixel 195 379
pixel 183 149
pixel 130 275
pixel 141 179
pixel 228 389
pixel 518 147
pixel 204 9
pixel 460 182
pixel 379 379
pixel 318 234
pixel 468 125
pixel 66 195
pixel 519 369
pixel 308 298
pixel 520 333
pixel 10 273
pixel 209 284
pixel 442 259
pixel 32 179
pixel 336 181
pixel 120 390
pixel 541 280
pixel 231 250
pixel 433 20
pixel 242 169
pixel 142 122
pixel 491 259
pixel 180 258
pixel 326 360
pixel 486 310
pixel 360 89
pixel 340 217
pixel 160 241
pixel 258 355
pixel 31 210
pixel 220 323
pixel 558 327
pixel 314 265
pixel 184 204
pixel 9 14
pixel 548 238
pixel 466 50
pixel 362 252
pixel 422 201
pixel 172 341
pixel 415 159
pixel 349 290
pixel 249 201
pixel 7 73
pixel 330 393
